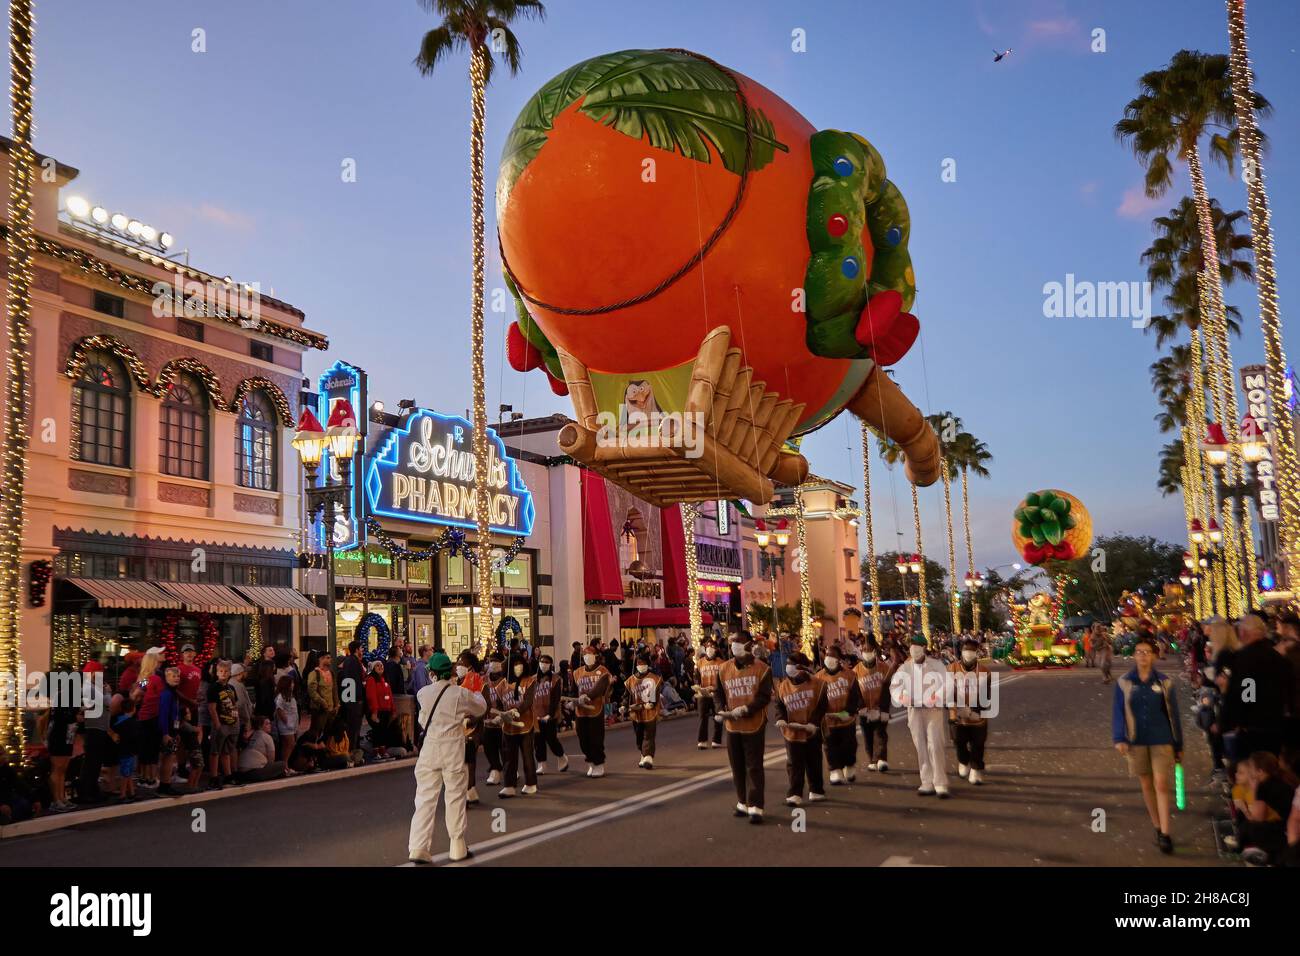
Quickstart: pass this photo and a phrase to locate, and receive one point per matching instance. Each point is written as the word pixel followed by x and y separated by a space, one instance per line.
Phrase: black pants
pixel 803 760
pixel 492 746
pixel 707 710
pixel 745 753
pixel 875 739
pixel 591 738
pixel 95 745
pixel 645 736
pixel 841 747
pixel 547 735
pixel 471 756
pixel 352 713
pixel 969 739
pixel 519 747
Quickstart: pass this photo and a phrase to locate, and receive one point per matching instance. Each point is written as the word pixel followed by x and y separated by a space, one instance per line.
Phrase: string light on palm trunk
pixel 920 571
pixel 970 548
pixel 694 615
pixel 953 606
pixel 478 83
pixel 1286 468
pixel 806 629
pixel 872 572
pixel 17 388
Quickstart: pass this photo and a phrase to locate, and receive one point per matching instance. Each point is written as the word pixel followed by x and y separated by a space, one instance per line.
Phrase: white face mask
pixel 519 670
pixel 544 667
pixel 461 670
pixel 737 650
pixel 869 658
pixel 791 670
pixel 642 668
pixel 832 663
pixel 589 660
pixel 969 656
pixel 710 651
pixel 495 668
pixel 917 652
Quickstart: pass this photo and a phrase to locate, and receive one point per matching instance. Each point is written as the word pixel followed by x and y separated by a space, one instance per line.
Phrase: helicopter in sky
pixel 998 56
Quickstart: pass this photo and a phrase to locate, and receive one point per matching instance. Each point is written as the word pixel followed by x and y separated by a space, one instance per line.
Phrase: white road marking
pixel 903 861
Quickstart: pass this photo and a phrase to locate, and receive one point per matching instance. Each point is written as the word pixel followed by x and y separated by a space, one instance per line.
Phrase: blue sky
pixel 238 152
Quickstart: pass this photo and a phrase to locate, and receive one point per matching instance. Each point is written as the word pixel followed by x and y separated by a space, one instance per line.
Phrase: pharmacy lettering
pixel 424 471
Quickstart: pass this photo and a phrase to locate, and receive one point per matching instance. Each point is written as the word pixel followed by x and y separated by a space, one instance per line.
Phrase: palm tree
pixel 892 453
pixel 483 28
pixel 1287 470
pixel 947 426
pixel 1175 107
pixel 1171 380
pixel 1170 479
pixel 873 579
pixel 972 455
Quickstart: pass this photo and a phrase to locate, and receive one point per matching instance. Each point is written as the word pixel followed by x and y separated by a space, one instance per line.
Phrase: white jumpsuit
pixel 920 688
pixel 441 763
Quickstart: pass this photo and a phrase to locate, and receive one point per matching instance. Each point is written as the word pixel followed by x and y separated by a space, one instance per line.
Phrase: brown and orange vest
pixel 708 671
pixel 644 689
pixel 969 694
pixel 546 694
pixel 800 702
pixel 587 680
pixel 839 686
pixel 741 688
pixel 873 683
pixel 520 698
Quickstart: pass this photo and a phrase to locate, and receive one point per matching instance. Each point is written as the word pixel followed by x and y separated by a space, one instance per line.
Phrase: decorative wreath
pixel 207 637
pixel 362 634
pixel 508 625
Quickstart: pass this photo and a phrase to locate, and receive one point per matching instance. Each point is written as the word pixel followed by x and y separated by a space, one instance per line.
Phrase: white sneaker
pixel 815 797
pixel 648 762
pixel 591 770
pixel 793 801
pixel 494 776
pixel 716 745
pixel 881 767
pixel 925 791
pixel 641 762
pixel 506 792
pixel 942 792
pixel 471 795
pixel 755 814
pixel 564 763
pixel 850 774
pixel 458 851
pixel 420 856
pixel 976 777
pixel 702 746
pixel 598 770
pixel 962 769
pixel 528 790
pixel 836 778
pixel 541 769
pixel 874 766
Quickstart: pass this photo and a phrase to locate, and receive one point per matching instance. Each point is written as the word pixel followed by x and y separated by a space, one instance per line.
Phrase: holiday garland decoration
pixel 258 383
pixel 38 579
pixel 375 622
pixel 76 364
pixel 452 539
pixel 508 625
pixel 172 371
pixel 208 634
pixel 1051 525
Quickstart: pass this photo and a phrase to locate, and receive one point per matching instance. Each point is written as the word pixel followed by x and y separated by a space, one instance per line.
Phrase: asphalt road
pixel 1051 767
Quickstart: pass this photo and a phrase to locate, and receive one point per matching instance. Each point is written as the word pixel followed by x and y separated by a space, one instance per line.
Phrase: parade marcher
pixel 468 677
pixel 592 681
pixel 707 667
pixel 1101 651
pixel 444 710
pixel 918 685
pixel 741 697
pixel 874 671
pixel 547 694
pixel 970 725
pixel 642 705
pixel 518 718
pixel 496 672
pixel 800 707
pixel 843 700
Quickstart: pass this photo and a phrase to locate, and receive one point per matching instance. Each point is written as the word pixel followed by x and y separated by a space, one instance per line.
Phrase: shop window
pixel 455 572
pixel 261 350
pixel 188 329
pixel 633 541
pixel 183 428
pixel 749 563
pixel 113 305
pixel 255 432
pixel 419 572
pixel 101 412
pixel 517 577
pixel 595 627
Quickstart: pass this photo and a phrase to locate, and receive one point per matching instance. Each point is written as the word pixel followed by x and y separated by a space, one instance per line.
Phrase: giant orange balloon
pixel 1051 525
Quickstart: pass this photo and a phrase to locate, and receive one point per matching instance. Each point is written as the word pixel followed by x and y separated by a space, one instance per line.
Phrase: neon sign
pixel 342 380
pixel 424 471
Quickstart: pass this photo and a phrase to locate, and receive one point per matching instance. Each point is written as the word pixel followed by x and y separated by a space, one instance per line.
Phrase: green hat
pixel 439 664
pixel 920 639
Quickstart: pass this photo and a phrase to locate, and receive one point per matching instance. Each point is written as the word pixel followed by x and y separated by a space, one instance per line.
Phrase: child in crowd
pixel 126 735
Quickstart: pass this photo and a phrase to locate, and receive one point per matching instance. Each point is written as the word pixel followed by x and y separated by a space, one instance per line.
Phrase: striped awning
pixel 279 600
pixel 209 598
pixel 119 593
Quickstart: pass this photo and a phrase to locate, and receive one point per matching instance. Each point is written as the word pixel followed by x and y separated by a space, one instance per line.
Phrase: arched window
pixel 183 429
pixel 255 442
pixel 101 412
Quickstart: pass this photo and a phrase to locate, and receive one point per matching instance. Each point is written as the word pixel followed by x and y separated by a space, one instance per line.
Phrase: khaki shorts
pixel 1145 761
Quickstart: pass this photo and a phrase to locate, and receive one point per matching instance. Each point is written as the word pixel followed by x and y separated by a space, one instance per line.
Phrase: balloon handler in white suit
pixel 444 709
pixel 918 685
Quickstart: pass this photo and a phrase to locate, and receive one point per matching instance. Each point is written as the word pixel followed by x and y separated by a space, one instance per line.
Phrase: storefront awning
pixel 208 598
pixel 280 600
pixel 673 537
pixel 601 579
pixel 124 594
pixel 659 617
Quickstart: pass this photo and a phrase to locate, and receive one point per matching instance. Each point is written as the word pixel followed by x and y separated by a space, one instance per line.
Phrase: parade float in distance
pixel 705 274
pixel 1048 526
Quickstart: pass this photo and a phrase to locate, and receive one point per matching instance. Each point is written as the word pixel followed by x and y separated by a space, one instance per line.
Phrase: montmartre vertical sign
pixel 1254 382
pixel 424 471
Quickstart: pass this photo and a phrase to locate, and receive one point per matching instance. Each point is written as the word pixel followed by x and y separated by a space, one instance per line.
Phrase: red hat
pixel 343 421
pixel 308 426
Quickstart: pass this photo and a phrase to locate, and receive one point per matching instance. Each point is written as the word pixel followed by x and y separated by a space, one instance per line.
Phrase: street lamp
pixel 1253 445
pixel 1197 531
pixel 1213 532
pixel 781 537
pixel 1215 445
pixel 330 499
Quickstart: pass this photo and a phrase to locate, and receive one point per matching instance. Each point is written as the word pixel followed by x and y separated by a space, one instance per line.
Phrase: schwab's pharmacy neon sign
pixel 425 472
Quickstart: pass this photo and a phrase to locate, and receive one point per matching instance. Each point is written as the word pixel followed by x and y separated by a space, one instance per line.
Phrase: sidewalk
pixel 72 818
